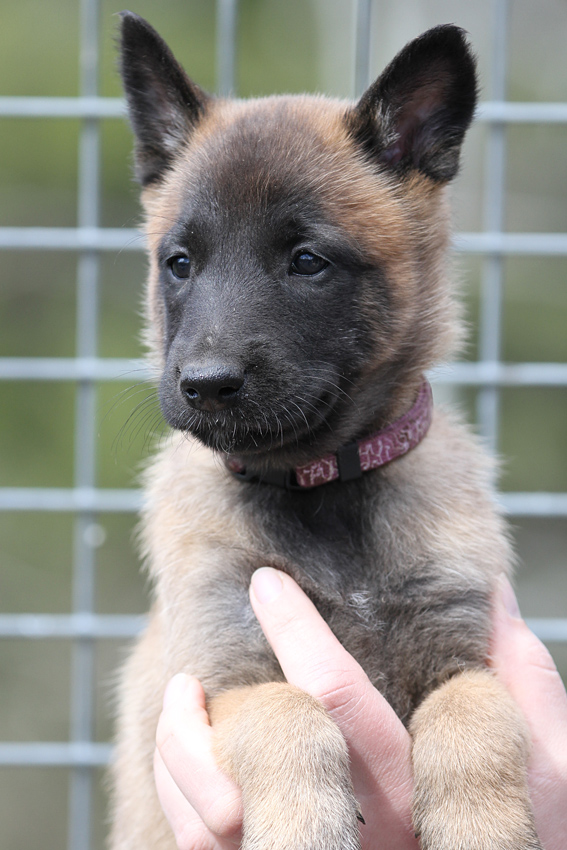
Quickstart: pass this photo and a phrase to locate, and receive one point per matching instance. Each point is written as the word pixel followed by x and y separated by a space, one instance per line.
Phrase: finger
pixel 313 659
pixel 187 827
pixel 310 655
pixel 184 743
pixel 308 652
pixel 524 664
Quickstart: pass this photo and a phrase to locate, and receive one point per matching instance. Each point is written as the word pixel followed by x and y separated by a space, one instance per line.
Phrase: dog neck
pixel 354 459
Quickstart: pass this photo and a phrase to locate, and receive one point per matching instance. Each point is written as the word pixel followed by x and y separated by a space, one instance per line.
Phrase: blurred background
pixel 76 424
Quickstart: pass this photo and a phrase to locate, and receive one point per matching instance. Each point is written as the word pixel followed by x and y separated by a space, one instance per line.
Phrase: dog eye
pixel 306 263
pixel 180 266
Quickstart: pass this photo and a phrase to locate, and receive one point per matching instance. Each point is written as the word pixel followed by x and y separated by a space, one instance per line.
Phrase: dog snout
pixel 213 387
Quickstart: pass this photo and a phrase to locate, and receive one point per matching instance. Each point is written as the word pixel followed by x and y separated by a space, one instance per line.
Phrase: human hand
pixel 525 666
pixel 203 806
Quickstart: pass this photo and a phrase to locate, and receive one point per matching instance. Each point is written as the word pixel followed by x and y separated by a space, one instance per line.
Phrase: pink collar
pixel 355 458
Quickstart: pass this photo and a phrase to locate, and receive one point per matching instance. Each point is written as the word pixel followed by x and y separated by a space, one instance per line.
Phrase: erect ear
pixel 417 112
pixel 163 104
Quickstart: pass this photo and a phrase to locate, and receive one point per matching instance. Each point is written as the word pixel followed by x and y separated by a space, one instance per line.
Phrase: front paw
pixel 458 828
pixel 325 820
pixel 470 751
pixel 291 761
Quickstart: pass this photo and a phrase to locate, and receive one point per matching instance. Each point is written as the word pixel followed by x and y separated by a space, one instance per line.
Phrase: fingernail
pixel 509 598
pixel 175 689
pixel 266 584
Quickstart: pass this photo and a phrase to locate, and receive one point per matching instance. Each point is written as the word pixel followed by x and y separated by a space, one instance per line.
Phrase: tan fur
pixel 139 821
pixel 403 562
pixel 469 744
pixel 195 528
pixel 254 728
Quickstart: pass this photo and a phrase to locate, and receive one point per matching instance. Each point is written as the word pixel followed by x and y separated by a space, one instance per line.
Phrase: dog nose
pixel 211 388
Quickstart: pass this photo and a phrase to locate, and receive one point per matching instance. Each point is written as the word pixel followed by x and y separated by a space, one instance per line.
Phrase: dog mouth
pixel 252 427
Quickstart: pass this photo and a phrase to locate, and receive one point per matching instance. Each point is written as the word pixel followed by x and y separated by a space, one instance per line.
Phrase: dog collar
pixel 352 460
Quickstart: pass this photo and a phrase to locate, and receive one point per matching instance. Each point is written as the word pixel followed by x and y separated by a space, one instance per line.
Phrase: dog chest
pixel 410 611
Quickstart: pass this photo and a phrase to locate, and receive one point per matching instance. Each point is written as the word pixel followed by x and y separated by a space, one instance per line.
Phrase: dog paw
pixel 438 835
pixel 291 761
pixel 326 824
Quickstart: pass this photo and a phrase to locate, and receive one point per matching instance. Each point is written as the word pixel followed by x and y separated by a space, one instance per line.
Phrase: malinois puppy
pixel 297 294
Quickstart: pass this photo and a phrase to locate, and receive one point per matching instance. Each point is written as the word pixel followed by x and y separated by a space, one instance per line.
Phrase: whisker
pixel 123 396
pixel 146 411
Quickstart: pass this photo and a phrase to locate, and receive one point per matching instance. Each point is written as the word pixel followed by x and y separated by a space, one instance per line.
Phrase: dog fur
pixel 241 198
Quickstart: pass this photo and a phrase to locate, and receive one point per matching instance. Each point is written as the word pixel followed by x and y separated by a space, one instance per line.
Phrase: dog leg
pixel 291 761
pixel 470 750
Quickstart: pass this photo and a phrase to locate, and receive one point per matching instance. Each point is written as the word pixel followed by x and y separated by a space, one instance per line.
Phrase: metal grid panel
pixel 83 626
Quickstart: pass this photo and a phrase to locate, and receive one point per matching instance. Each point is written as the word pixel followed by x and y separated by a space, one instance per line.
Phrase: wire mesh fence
pixel 89 241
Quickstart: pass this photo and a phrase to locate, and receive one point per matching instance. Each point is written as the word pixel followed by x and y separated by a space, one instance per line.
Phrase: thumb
pixel 525 666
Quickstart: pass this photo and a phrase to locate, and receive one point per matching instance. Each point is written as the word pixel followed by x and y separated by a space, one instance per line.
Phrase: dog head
pixel 297 246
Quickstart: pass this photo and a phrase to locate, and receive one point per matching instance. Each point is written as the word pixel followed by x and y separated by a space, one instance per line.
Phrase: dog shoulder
pixel 191 502
pixel 457 516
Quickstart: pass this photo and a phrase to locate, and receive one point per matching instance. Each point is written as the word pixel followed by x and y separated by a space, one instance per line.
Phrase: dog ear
pixel 417 112
pixel 164 105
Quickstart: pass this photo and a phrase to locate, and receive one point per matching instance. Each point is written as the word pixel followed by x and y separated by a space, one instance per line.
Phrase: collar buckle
pixel 348 461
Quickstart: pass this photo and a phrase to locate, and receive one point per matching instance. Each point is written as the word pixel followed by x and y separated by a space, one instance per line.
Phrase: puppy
pixel 297 294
